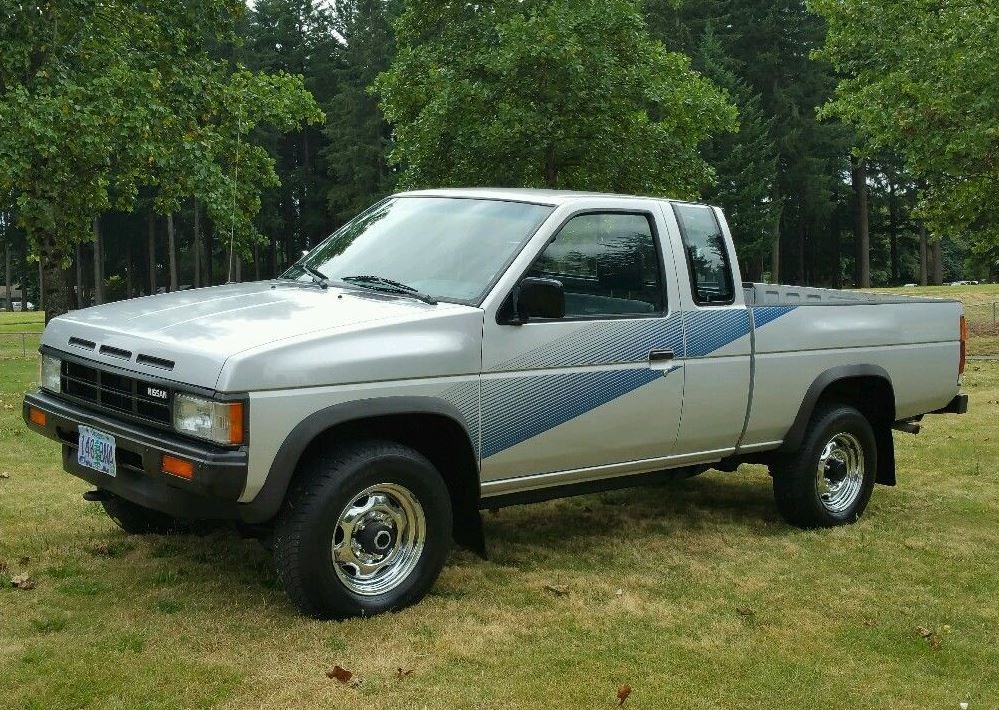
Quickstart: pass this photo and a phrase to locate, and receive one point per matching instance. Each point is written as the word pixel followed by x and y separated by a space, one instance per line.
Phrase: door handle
pixel 661 355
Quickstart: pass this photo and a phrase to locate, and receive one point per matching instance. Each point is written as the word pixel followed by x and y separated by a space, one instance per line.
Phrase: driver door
pixel 598 387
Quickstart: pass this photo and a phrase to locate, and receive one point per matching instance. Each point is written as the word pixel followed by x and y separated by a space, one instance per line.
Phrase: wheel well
pixel 438 437
pixel 874 397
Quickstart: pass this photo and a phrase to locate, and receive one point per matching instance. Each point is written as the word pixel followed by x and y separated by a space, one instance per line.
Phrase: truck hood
pixel 187 336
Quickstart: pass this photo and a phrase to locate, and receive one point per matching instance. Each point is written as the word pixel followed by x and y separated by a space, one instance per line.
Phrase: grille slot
pixel 116 393
pixel 116 352
pixel 81 343
pixel 155 361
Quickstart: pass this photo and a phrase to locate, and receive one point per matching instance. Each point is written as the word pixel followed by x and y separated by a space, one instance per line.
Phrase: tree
pixel 919 78
pixel 546 93
pixel 745 163
pixel 765 46
pixel 99 99
pixel 358 137
pixel 300 37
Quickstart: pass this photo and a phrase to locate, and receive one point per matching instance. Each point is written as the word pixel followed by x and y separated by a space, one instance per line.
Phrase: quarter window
pixel 608 265
pixel 707 256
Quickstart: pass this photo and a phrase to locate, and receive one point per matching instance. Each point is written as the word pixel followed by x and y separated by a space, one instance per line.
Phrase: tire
pixel 840 440
pixel 376 503
pixel 139 520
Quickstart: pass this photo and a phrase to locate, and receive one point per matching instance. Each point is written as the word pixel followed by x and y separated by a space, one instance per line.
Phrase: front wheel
pixel 829 480
pixel 366 529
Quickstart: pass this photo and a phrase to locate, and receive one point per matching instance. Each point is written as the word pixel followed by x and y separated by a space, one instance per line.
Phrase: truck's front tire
pixel 829 480
pixel 366 528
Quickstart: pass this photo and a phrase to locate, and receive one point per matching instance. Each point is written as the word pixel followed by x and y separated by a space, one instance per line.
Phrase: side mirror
pixel 539 298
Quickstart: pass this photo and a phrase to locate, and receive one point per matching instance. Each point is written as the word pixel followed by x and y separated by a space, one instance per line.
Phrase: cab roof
pixel 537 196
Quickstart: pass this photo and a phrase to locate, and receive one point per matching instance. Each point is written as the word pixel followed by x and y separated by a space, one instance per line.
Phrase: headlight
pixel 221 422
pixel 50 377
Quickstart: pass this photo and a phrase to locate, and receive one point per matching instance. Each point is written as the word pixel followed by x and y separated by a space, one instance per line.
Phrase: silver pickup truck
pixel 454 350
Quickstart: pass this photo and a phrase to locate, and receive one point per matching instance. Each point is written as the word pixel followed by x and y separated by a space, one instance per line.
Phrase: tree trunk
pixel 209 266
pixel 129 276
pixel 802 277
pixel 237 268
pixel 151 252
pixel 8 278
pixel 837 239
pixel 98 264
pixel 256 261
pixel 172 242
pixel 79 275
pixel 197 245
pixel 893 230
pixel 923 256
pixel 775 259
pixel 937 263
pixel 53 291
pixel 862 225
pixel 551 168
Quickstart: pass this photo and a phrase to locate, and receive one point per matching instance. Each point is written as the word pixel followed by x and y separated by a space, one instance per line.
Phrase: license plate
pixel 96 451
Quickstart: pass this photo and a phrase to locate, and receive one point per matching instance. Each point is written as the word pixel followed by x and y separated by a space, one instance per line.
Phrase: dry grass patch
pixel 695 594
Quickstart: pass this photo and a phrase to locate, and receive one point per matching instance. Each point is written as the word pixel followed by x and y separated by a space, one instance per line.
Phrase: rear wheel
pixel 136 519
pixel 829 480
pixel 365 530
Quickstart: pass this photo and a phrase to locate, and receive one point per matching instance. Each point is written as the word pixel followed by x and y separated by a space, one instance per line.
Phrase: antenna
pixel 235 178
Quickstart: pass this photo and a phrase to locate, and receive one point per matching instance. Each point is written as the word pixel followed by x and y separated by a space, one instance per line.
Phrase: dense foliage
pixel 920 79
pixel 134 113
pixel 546 93
pixel 98 100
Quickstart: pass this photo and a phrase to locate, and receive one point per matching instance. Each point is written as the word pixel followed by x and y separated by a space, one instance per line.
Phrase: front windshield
pixel 452 249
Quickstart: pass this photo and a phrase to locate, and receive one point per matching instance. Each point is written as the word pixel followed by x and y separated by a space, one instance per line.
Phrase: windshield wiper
pixel 318 276
pixel 380 283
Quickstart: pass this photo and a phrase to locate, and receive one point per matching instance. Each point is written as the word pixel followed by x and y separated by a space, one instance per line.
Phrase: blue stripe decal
pixel 603 343
pixel 768 314
pixel 708 331
pixel 517 409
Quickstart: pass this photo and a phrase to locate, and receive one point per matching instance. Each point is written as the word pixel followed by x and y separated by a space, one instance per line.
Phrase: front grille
pixel 117 393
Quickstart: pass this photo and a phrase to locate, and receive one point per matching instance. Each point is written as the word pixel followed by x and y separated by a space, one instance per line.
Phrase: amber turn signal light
pixel 37 416
pixel 236 423
pixel 178 467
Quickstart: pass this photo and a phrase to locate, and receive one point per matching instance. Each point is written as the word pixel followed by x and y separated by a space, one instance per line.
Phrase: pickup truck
pixel 450 351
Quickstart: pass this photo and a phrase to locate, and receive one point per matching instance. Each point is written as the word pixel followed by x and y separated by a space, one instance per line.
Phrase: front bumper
pixel 219 473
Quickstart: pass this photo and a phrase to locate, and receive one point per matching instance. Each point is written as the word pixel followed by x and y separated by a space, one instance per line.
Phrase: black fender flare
pixel 266 504
pixel 882 433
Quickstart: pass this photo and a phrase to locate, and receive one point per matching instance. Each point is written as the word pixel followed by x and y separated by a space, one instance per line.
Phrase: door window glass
pixel 608 265
pixel 707 257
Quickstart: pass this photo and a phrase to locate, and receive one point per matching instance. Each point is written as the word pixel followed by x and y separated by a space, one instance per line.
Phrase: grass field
pixel 694 594
pixel 981 308
pixel 18 333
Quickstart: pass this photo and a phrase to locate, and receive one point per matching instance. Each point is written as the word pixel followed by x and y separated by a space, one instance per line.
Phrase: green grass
pixel 695 594
pixel 978 308
pixel 18 333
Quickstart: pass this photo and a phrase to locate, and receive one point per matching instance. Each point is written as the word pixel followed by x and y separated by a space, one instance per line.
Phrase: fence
pixel 19 344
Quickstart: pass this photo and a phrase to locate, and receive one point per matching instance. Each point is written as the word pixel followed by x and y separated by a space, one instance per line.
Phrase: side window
pixel 707 257
pixel 608 265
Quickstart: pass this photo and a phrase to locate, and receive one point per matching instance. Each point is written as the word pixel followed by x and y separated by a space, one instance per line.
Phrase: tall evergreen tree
pixel 358 138
pixel 745 163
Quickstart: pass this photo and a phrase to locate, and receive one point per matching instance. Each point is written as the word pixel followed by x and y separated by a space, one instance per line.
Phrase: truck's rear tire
pixel 138 520
pixel 829 480
pixel 366 528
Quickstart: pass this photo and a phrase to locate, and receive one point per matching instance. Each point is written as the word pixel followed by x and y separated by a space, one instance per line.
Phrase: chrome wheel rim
pixel 378 539
pixel 840 475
